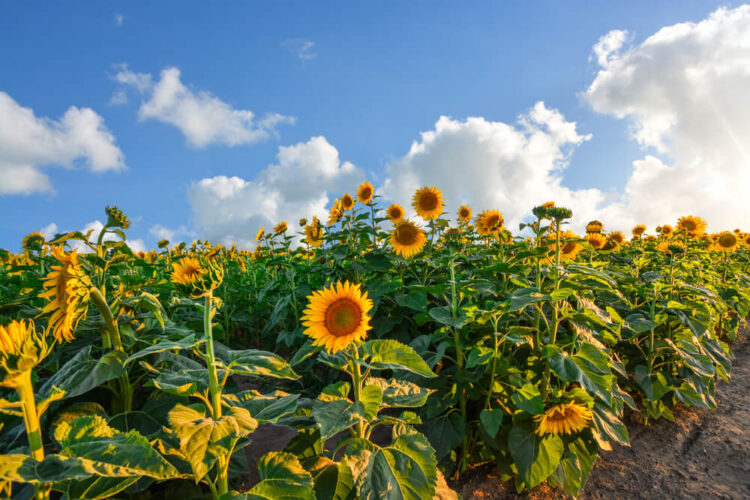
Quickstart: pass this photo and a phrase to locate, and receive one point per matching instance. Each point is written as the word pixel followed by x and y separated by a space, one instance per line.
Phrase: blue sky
pixel 368 77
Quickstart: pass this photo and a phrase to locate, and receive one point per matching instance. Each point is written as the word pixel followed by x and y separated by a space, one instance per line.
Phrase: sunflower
pixel 617 237
pixel 395 212
pixel 407 238
pixel 639 230
pixel 347 202
pixel 594 227
pixel 13 336
pixel 259 234
pixel 33 241
pixel 596 240
pixel 337 316
pixel 464 213
pixel 489 222
pixel 67 289
pixel 335 213
pixel 666 230
pixel 314 233
pixel 116 218
pixel 694 226
pixel 280 228
pixel 21 348
pixel 672 247
pixel 726 242
pixel 187 271
pixel 568 249
pixel 428 202
pixel 365 192
pixel 566 418
pixel 746 239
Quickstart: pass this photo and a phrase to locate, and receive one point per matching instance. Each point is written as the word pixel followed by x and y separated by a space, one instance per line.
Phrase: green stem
pixel 31 421
pixel 113 333
pixel 357 382
pixel 214 390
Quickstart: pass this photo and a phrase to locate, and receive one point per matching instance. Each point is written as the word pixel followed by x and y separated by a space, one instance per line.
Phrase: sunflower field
pixel 397 352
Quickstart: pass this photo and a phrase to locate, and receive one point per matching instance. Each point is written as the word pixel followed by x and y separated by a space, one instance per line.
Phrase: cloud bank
pixel 28 143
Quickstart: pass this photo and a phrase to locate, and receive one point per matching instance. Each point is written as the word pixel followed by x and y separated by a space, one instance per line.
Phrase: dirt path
pixel 704 454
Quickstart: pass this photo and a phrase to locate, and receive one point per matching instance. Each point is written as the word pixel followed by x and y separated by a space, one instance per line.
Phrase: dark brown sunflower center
pixel 394 213
pixel 365 193
pixel 492 221
pixel 428 201
pixel 727 240
pixel 560 414
pixel 343 317
pixel 568 248
pixel 464 214
pixel 690 225
pixel 595 242
pixel 406 234
pixel 617 237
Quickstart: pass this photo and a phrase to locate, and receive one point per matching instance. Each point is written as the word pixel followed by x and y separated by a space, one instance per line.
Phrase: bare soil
pixel 704 454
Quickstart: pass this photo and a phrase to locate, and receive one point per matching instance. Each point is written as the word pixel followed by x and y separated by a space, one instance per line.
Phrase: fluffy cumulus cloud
pixel 203 118
pixel 28 143
pixel 486 164
pixel 170 234
pixel 686 92
pixel 305 178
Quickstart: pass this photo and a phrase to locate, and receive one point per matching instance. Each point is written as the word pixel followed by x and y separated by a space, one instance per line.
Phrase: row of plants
pixel 399 353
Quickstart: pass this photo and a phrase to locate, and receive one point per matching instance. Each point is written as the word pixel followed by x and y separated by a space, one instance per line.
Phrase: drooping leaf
pixel 393 355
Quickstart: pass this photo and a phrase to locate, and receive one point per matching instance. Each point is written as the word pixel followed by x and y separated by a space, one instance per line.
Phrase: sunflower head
pixel 21 349
pixel 594 227
pixel 428 202
pixel 337 316
pixel 280 228
pixel 163 243
pixel 395 212
pixel 617 237
pixel 407 238
pixel 693 226
pixel 335 213
pixel 542 211
pixel 258 235
pixel 671 247
pixel 33 242
pixel 745 238
pixel 559 213
pixel 347 202
pixel 303 222
pixel 67 288
pixel 365 192
pixel 199 275
pixel 639 230
pixel 666 230
pixel 596 240
pixel 116 218
pixel 489 222
pixel 726 242
pixel 569 245
pixel 565 418
pixel 464 213
pixel 314 233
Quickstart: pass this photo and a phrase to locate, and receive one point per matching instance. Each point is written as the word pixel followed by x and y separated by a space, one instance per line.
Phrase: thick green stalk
pixel 357 383
pixel 113 334
pixel 214 390
pixel 31 421
pixel 459 368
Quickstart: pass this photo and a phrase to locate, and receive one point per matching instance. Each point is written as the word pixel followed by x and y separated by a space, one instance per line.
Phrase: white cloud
pixel 28 143
pixel 49 231
pixel 119 19
pixel 303 49
pixel 172 235
pixel 119 98
pixel 686 92
pixel 494 165
pixel 203 118
pixel 608 46
pixel 306 177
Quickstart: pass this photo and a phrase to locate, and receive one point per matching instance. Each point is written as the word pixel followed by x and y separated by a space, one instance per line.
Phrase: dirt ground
pixel 704 454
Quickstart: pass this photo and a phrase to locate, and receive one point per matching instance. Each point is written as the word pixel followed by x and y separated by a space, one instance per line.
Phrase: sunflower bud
pixel 559 213
pixel 115 218
pixel 163 243
pixel 303 222
pixel 21 349
pixel 33 242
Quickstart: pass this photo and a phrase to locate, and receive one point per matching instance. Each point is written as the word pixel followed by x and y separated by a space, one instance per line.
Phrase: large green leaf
pixel 336 415
pixel 528 399
pixel 203 439
pixel 162 345
pixel 590 367
pixel 535 456
pixel 282 476
pixel 333 480
pixel 406 470
pixel 445 433
pixel 265 407
pixel 400 393
pixel 257 363
pixel 182 383
pixel 393 355
pixel 84 372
